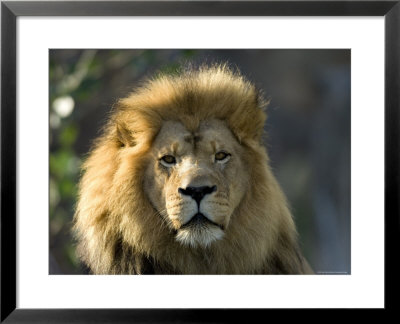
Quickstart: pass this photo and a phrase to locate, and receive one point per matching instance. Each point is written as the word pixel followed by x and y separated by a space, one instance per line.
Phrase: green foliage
pixel 68 135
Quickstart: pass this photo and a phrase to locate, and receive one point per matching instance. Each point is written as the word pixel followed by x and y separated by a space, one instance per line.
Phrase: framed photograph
pixel 311 89
pixel 225 147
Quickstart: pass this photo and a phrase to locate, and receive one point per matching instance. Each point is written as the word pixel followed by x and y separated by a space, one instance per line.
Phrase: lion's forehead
pixel 211 135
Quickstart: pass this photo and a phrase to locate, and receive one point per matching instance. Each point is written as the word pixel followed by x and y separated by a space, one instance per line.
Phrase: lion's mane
pixel 117 229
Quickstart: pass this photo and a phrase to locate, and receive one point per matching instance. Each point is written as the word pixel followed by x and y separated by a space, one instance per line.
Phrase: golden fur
pixel 130 213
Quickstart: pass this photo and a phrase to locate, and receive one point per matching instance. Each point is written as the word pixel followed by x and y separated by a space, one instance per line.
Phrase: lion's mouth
pixel 199 231
pixel 200 220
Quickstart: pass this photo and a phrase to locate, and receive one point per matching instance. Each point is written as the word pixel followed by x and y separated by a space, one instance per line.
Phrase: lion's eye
pixel 168 160
pixel 222 156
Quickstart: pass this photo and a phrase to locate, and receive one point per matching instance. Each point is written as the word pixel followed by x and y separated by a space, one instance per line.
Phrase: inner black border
pixel 10 10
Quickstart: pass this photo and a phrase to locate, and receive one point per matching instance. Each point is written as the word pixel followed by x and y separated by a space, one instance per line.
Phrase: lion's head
pixel 180 183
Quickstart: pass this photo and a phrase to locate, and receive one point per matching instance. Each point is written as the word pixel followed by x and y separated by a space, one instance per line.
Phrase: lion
pixel 180 183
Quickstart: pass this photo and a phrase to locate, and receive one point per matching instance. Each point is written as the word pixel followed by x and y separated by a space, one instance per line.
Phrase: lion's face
pixel 196 180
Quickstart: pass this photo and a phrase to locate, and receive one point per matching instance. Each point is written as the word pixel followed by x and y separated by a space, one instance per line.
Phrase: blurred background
pixel 308 130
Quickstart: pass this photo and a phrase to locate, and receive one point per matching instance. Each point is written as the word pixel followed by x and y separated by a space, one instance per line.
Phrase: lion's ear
pixel 124 136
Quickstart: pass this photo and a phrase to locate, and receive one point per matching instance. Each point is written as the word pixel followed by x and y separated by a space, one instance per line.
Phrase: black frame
pixel 11 10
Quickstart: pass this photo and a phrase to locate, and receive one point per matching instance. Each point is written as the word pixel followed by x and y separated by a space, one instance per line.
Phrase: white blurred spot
pixel 64 106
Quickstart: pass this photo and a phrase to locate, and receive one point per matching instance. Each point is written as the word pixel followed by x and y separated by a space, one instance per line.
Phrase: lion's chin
pixel 199 236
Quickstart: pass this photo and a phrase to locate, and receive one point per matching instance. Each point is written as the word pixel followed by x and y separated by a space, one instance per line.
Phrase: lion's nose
pixel 197 193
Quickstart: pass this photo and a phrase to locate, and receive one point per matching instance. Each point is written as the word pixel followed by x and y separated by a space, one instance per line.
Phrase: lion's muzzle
pixel 200 229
